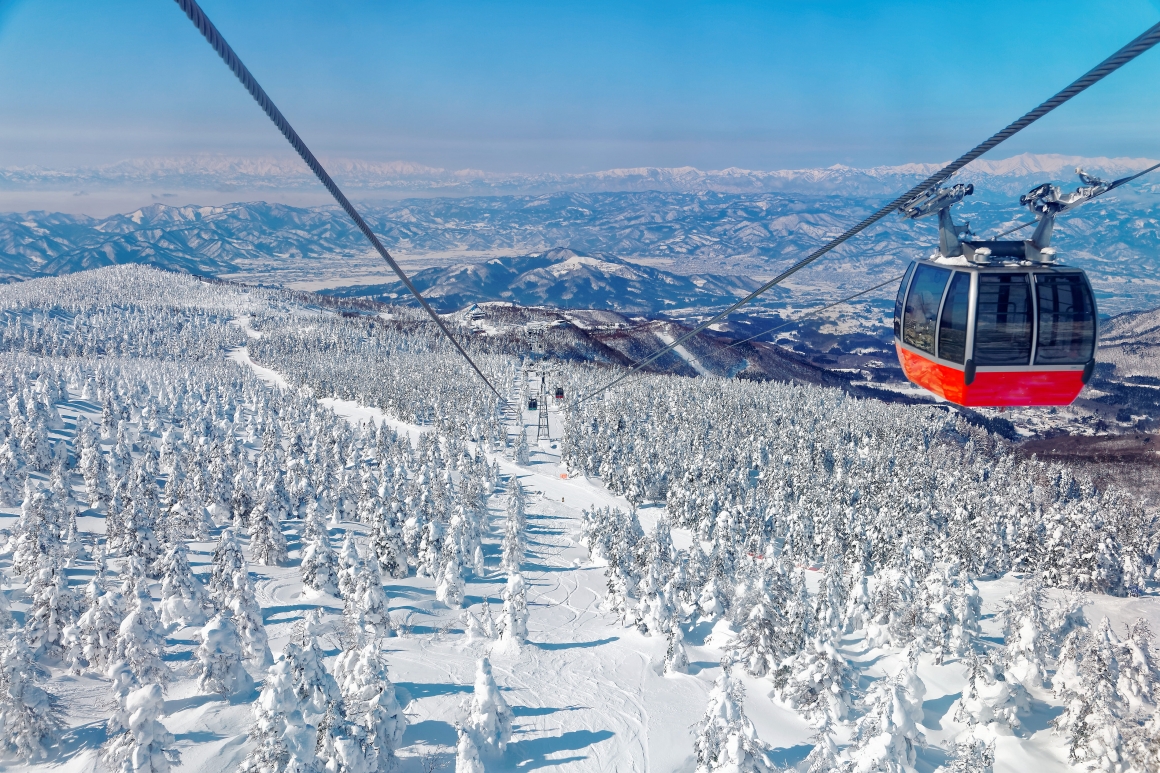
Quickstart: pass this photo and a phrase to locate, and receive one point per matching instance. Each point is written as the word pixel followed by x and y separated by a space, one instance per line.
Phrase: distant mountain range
pixel 693 237
pixel 562 278
pixel 284 173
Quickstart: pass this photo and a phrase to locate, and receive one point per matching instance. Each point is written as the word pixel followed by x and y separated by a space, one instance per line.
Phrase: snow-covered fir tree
pixel 515 529
pixel 514 619
pixel 371 709
pixel 184 600
pixel 144 744
pixel 488 719
pixel 725 739
pixel 220 658
pixel 319 563
pixel 29 715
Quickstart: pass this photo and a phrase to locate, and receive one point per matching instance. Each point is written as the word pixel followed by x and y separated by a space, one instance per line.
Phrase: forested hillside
pixel 242 530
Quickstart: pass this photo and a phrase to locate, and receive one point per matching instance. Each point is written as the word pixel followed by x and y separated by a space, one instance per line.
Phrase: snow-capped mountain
pixel 562 278
pixel 282 173
pixel 1117 238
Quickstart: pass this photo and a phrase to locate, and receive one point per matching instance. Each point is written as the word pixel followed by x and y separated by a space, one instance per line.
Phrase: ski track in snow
pixel 585 691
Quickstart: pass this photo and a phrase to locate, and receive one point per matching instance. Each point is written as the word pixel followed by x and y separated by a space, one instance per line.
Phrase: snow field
pixel 587 690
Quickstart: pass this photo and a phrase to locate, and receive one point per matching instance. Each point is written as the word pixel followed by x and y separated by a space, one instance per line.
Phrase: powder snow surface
pixel 587 693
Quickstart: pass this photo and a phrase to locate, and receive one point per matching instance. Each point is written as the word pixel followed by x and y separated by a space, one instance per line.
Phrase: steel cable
pixel 219 44
pixel 814 312
pixel 1114 62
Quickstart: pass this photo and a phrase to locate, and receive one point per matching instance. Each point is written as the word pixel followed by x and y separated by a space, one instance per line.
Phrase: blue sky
pixel 571 87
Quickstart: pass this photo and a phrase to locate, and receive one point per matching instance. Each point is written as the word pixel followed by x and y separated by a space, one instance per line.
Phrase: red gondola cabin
pixel 996 335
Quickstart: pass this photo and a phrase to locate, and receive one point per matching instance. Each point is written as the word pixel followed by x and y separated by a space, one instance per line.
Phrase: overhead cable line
pixel 1112 187
pixel 219 44
pixel 814 312
pixel 1114 62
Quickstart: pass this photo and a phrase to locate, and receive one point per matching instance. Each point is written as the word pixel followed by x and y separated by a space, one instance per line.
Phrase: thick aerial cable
pixel 815 312
pixel 1114 62
pixel 215 39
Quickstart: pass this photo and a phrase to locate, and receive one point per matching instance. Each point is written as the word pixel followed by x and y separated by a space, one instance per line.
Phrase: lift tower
pixel 542 427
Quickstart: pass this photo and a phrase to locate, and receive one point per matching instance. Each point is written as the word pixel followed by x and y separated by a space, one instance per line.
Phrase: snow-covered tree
pixel 726 740
pixel 91 641
pixel 141 642
pixel 988 697
pixel 888 735
pixel 29 716
pixel 267 543
pixel 349 566
pixel 144 744
pixel 488 718
pixel 676 658
pixel 319 563
pixel 818 682
pixel 366 607
pixel 970 755
pixel 283 740
pixel 514 620
pixel 372 711
pixel 52 610
pixel 184 600
pixel 1026 635
pixel 515 528
pixel 466 753
pixel 219 658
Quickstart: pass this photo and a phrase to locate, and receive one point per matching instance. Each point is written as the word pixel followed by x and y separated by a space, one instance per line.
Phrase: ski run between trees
pixel 241 532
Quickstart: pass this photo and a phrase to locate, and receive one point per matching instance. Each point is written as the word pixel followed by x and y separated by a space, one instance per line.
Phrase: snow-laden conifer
pixel 970 755
pixel 283 739
pixel 818 682
pixel 467 758
pixel 92 639
pixel 267 543
pixel 515 527
pixel 144 745
pixel 887 736
pixel 988 697
pixel 676 658
pixel 219 658
pixel 725 739
pixel 514 619
pixel 29 717
pixel 1026 636
pixel 375 718
pixel 319 563
pixel 349 566
pixel 184 600
pixel 141 641
pixel 488 719
pixel 52 610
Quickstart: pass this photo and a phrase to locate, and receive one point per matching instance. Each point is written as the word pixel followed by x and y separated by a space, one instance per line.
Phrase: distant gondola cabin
pixel 533 404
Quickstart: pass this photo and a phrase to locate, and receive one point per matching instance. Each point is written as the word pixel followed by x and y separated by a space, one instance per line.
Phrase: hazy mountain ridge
pixel 223 173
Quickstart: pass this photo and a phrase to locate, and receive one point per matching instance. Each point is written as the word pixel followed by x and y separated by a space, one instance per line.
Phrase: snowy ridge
pixel 209 173
pixel 376 569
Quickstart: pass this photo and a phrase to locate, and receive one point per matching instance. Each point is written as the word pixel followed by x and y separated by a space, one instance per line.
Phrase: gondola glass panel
pixel 922 302
pixel 899 298
pixel 1003 320
pixel 1067 320
pixel 952 327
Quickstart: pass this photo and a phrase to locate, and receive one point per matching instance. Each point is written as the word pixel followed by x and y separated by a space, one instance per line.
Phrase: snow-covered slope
pixel 347 491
